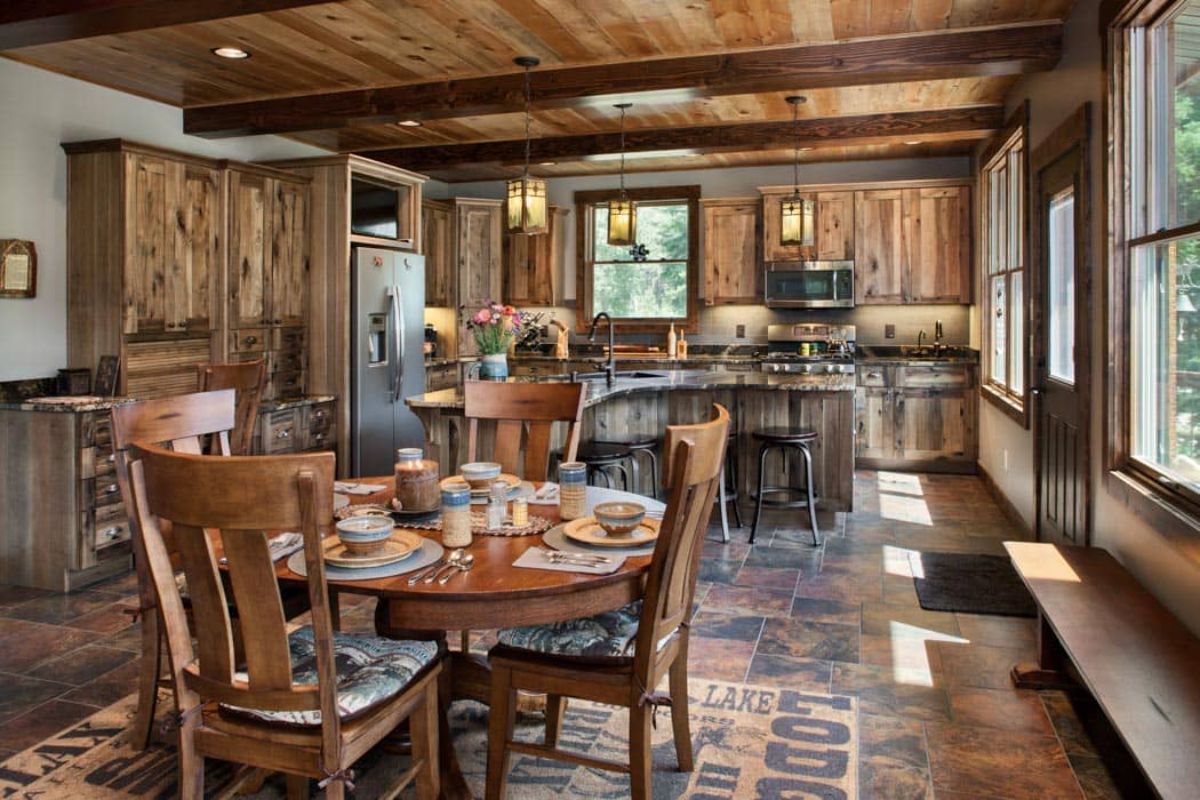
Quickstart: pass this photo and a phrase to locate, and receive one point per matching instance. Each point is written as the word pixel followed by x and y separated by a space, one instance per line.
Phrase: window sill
pixel 1018 412
pixel 1164 514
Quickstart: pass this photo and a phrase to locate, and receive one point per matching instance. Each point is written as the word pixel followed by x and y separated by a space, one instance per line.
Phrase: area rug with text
pixel 748 741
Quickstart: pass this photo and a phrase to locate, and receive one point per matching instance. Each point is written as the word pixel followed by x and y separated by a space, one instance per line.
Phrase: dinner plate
pixel 588 531
pixel 340 501
pixel 512 480
pixel 401 545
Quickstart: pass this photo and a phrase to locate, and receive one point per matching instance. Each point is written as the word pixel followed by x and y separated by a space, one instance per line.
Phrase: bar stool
pixel 647 447
pixel 601 457
pixel 727 491
pixel 784 439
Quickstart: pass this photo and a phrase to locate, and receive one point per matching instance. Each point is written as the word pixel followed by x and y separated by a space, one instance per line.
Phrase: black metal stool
pixel 784 439
pixel 647 447
pixel 728 487
pixel 602 456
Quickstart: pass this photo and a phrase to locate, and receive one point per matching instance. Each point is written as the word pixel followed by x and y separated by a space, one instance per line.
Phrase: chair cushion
pixel 609 634
pixel 370 670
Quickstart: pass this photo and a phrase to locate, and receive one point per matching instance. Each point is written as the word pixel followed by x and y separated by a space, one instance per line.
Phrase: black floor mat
pixel 970 583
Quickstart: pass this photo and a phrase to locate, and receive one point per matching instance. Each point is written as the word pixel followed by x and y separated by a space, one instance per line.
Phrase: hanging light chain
pixel 796 148
pixel 623 149
pixel 528 116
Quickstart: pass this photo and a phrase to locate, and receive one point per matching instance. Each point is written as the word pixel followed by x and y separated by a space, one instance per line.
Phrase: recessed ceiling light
pixel 230 52
pixel 547 163
pixel 805 149
pixel 409 123
pixel 913 142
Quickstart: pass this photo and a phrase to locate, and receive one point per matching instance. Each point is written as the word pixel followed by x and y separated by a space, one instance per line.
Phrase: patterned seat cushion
pixel 610 634
pixel 369 671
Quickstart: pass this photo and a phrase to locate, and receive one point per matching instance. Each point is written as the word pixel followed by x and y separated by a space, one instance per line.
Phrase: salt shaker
pixel 456 514
pixel 497 505
pixel 572 490
pixel 520 512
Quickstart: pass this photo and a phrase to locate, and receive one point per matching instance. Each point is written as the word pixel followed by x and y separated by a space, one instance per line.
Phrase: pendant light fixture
pixel 797 215
pixel 526 194
pixel 622 217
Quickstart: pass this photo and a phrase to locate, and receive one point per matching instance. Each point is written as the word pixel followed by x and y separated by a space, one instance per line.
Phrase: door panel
pixel 289 255
pixel 873 423
pixel 1060 278
pixel 150 243
pixel 879 247
pixel 249 211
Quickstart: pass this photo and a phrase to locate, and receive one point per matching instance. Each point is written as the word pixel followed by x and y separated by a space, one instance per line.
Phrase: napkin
pixel 546 495
pixel 346 487
pixel 537 558
pixel 281 546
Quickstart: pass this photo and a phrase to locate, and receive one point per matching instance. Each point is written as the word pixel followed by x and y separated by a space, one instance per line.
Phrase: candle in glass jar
pixel 572 490
pixel 456 514
pixel 416 480
pixel 520 512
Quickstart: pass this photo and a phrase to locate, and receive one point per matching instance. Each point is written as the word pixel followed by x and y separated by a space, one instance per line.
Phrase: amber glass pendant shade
pixel 798 221
pixel 526 205
pixel 622 222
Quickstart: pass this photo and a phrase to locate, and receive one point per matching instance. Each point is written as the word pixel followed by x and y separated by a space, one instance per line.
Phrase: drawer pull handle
pixel 112 489
pixel 283 434
pixel 111 533
pixel 872 374
pixel 249 340
pixel 112 458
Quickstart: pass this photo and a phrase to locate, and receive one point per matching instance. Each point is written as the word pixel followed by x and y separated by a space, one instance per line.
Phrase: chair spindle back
pixel 525 414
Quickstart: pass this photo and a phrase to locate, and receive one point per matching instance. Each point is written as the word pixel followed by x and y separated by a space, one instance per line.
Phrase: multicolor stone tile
pixel 1010 764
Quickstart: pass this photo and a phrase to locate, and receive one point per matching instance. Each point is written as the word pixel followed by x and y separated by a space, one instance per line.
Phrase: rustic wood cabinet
pixel 938 236
pixel 477 225
pixel 833 236
pixel 249 255
pixel 437 226
pixel 880 264
pixel 305 426
pixel 916 415
pixel 733 270
pixel 532 263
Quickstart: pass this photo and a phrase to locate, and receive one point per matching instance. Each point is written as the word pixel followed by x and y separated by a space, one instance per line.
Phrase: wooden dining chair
pixel 308 702
pixel 525 414
pixel 184 422
pixel 247 380
pixel 618 657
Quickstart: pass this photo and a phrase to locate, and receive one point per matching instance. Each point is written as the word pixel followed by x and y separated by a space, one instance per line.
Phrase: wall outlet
pixel 741 332
pixel 889 331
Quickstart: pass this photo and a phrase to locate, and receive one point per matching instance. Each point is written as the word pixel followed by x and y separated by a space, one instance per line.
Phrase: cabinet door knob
pixel 249 340
pixel 283 434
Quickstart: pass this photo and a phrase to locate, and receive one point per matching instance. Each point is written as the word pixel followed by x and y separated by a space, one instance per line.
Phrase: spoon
pixel 464 565
pixel 451 561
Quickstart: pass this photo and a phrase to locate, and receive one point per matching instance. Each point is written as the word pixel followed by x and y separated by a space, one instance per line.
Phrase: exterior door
pixel 1062 270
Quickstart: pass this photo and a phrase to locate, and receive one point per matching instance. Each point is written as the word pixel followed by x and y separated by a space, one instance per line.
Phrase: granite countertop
pixel 670 380
pixel 67 405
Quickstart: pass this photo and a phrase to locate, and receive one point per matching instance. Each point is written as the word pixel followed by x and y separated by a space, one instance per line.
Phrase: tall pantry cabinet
pixel 175 261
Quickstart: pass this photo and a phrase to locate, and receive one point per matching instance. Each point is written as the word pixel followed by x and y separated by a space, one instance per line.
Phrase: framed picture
pixel 18 268
pixel 106 376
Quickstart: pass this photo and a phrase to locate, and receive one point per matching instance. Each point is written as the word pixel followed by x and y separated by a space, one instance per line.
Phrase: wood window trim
pixel 1000 398
pixel 583 262
pixel 1170 510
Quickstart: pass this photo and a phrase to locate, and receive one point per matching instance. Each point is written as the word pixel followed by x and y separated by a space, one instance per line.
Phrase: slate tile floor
pixel 938 716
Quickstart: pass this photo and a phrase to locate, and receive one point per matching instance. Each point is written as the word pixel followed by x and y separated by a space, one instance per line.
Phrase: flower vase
pixel 493 367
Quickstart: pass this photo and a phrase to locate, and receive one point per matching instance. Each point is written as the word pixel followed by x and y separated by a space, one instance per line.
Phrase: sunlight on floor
pixel 899 483
pixel 910 652
pixel 904 509
pixel 901 561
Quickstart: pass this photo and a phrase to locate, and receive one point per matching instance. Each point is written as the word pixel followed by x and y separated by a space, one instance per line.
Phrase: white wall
pixel 1159 565
pixel 44 110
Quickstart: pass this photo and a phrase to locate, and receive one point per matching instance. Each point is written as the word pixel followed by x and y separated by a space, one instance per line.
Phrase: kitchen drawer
pixel 102 491
pixel 95 429
pixel 291 339
pixel 97 461
pixel 322 439
pixel 934 376
pixel 248 340
pixel 873 375
pixel 318 417
pixel 279 431
pixel 284 386
pixel 105 526
pixel 286 362
pixel 737 366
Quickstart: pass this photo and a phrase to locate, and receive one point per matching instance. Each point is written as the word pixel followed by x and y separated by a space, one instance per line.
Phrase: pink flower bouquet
pixel 495 326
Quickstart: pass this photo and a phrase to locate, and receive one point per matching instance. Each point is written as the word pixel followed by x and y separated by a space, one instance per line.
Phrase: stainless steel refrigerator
pixel 387 363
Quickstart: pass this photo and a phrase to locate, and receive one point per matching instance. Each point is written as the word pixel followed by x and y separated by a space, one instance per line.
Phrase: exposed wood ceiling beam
pixel 984 51
pixel 942 125
pixel 25 23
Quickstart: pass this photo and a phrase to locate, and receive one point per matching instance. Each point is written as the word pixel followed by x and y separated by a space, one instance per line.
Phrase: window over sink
pixel 652 284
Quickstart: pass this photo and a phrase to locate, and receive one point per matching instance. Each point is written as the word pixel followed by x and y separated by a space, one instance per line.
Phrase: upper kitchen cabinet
pixel 437 233
pixel 833 236
pixel 533 263
pixel 939 242
pixel 880 264
pixel 733 271
pixel 289 252
pixel 477 230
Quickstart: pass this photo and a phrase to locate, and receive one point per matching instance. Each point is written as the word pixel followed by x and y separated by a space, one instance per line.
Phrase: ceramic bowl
pixel 480 474
pixel 364 535
pixel 620 518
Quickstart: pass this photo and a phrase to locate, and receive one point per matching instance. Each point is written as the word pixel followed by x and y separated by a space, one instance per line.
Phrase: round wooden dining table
pixel 492 594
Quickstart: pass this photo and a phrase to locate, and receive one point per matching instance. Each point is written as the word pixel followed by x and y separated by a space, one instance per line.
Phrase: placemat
pixel 479 526
pixel 536 558
pixel 429 552
pixel 556 539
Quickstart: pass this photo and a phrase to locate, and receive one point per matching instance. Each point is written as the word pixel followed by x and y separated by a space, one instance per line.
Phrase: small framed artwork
pixel 106 376
pixel 18 268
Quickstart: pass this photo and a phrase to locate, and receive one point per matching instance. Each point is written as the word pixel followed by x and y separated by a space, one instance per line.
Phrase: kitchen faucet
pixel 938 347
pixel 609 366
pixel 920 338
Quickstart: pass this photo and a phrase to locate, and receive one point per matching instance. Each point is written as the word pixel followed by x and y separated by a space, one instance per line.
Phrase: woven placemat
pixel 479 526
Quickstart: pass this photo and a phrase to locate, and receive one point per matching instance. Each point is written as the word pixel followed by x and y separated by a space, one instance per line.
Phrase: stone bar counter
pixel 641 404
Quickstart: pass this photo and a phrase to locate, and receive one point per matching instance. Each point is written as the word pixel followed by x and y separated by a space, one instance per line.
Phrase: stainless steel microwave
pixel 810 284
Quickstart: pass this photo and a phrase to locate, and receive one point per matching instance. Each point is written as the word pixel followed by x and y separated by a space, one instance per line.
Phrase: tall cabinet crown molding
pixel 330 241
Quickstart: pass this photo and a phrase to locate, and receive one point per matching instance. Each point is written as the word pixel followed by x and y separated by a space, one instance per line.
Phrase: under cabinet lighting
pixel 230 52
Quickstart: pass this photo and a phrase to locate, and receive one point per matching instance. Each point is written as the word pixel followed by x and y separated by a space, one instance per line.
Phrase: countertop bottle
pixel 671 342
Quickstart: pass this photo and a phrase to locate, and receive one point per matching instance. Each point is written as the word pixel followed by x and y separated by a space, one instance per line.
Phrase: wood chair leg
pixel 150 670
pixel 297 787
pixel 502 717
pixel 680 722
pixel 336 790
pixel 556 709
pixel 335 609
pixel 423 726
pixel 191 764
pixel 641 762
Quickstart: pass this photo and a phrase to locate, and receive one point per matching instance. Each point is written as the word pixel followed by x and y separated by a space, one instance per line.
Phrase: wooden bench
pixel 1138 661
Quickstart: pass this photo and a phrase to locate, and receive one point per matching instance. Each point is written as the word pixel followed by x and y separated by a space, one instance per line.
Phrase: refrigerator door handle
pixel 398 320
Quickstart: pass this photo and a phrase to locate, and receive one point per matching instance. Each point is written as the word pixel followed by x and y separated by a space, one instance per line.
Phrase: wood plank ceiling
pixel 315 54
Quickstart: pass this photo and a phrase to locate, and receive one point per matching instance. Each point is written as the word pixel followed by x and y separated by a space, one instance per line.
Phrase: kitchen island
pixel 640 404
